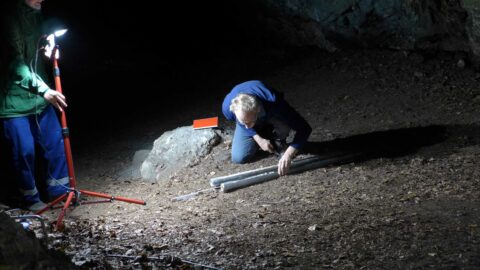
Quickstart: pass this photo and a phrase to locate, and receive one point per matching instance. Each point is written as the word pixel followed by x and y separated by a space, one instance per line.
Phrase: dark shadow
pixel 390 144
pixel 9 194
pixel 386 144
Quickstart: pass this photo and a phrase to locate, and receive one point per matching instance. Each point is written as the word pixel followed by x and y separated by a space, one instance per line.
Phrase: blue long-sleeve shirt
pixel 274 106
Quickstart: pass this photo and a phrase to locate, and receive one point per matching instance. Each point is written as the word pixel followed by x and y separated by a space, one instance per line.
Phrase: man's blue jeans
pixel 22 134
pixel 244 147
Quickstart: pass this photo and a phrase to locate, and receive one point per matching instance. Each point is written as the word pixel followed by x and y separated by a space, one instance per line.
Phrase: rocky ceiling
pixel 450 25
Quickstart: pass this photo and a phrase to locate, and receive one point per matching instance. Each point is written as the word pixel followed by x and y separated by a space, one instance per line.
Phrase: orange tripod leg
pixel 64 210
pixel 108 196
pixel 52 203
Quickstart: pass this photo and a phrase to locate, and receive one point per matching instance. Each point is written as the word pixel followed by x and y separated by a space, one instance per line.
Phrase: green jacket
pixel 21 88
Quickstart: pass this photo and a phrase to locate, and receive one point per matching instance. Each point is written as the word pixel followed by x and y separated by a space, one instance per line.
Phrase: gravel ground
pixel 411 201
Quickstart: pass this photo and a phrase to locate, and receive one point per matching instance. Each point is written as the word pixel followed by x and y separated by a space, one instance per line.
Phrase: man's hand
pixel 264 144
pixel 56 99
pixel 286 160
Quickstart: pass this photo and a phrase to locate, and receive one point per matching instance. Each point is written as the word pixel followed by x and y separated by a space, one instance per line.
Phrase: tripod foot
pixel 59 227
pixel 64 210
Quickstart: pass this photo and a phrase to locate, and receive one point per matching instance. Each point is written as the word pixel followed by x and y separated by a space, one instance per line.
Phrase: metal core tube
pixel 263 176
pixel 217 181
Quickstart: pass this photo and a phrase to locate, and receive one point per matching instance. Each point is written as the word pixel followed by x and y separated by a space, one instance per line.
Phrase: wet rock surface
pixel 396 24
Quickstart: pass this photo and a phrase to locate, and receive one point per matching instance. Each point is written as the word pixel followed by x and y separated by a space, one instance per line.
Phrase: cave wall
pixel 450 25
pixel 473 27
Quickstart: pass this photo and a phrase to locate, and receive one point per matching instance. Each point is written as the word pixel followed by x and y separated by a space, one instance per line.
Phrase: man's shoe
pixel 37 206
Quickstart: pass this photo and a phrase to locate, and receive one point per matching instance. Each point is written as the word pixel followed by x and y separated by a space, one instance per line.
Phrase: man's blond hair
pixel 245 103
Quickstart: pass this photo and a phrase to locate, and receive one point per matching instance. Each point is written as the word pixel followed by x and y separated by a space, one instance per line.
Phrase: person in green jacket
pixel 29 123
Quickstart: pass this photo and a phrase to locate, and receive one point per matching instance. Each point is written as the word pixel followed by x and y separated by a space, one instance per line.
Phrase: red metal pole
pixel 52 203
pixel 63 121
pixel 59 224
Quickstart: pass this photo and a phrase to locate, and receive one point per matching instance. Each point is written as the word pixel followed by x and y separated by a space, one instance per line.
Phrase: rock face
pixel 473 27
pixel 450 25
pixel 19 250
pixel 177 149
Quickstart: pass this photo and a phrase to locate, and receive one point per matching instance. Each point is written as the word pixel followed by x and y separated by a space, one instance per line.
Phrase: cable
pixel 35 79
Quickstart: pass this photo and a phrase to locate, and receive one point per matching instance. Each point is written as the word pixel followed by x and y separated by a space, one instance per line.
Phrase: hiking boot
pixel 37 206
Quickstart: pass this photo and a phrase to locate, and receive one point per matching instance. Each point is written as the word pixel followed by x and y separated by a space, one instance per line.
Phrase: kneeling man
pixel 263 120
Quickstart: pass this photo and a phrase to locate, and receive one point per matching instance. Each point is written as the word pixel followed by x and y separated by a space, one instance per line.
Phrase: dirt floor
pixel 410 202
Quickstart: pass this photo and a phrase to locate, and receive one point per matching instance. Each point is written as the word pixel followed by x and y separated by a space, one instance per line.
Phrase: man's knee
pixel 244 151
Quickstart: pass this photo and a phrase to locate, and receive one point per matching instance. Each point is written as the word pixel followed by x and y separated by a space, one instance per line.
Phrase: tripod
pixel 73 195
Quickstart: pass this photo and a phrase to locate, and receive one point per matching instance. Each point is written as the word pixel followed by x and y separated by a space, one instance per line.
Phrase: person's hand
pixel 286 160
pixel 265 144
pixel 56 99
pixel 284 164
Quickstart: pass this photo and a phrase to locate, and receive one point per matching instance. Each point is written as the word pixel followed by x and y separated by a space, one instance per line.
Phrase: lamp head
pixel 51 43
pixel 60 32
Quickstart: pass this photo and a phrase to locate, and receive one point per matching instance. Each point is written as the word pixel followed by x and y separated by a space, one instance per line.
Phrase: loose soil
pixel 412 202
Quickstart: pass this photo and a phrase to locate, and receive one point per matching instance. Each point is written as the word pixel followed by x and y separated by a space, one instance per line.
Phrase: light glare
pixel 60 32
pixel 51 43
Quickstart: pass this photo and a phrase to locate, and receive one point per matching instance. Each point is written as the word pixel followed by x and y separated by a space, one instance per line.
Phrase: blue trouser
pixel 244 146
pixel 22 134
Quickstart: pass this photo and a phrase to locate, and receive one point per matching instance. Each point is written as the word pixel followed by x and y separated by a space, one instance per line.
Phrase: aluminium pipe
pixel 266 176
pixel 245 182
pixel 217 181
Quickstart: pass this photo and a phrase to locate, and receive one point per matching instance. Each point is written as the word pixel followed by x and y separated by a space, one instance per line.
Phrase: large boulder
pixel 177 149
